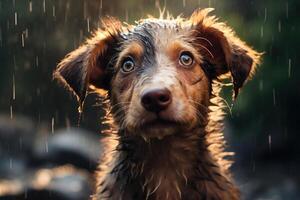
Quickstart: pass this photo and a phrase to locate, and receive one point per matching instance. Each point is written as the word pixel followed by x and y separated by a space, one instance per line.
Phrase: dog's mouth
pixel 159 123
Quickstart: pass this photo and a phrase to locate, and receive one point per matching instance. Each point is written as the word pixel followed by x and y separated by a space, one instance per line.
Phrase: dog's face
pixel 159 72
pixel 159 82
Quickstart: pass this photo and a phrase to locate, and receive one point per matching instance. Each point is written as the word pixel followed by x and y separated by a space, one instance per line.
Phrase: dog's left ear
pixel 222 49
pixel 90 63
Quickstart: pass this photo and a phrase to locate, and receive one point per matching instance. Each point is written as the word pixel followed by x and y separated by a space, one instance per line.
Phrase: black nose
pixel 156 100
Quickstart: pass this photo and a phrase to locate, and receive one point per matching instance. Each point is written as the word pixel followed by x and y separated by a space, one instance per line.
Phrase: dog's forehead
pixel 155 32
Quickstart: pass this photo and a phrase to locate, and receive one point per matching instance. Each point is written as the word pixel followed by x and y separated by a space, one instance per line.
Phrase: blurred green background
pixel 263 125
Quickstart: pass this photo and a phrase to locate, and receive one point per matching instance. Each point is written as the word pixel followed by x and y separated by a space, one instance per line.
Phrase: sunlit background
pixel 43 155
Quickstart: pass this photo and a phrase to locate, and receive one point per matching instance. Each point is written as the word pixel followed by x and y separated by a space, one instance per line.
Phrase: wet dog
pixel 162 78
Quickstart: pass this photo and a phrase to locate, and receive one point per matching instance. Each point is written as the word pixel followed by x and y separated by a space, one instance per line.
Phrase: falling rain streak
pixel 88 24
pixel 16 18
pixel 53 11
pixel 290 68
pixel 36 61
pixel 23 40
pixel 11 112
pixel 14 88
pixel 266 14
pixel 274 97
pixel 10 163
pixel 30 6
pixel 287 10
pixel 270 142
pixel 126 15
pixel 44 6
pixel 52 125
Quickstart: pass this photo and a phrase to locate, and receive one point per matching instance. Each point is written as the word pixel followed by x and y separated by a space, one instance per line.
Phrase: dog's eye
pixel 128 65
pixel 186 59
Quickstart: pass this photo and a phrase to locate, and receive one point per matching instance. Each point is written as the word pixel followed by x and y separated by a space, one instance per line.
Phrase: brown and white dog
pixel 162 78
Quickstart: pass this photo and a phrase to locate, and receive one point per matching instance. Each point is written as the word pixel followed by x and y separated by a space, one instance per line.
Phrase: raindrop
pixel 16 18
pixel 261 85
pixel 38 91
pixel 199 2
pixel 44 6
pixel 0 37
pixel 68 123
pixel 279 26
pixel 26 33
pixel 84 10
pixel 274 97
pixel 266 14
pixel 270 142
pixel 23 39
pixel 30 6
pixel 52 125
pixel 209 3
pixel 287 10
pixel 101 5
pixel 183 3
pixel 80 35
pixel 15 63
pixel 126 15
pixel 7 24
pixel 46 146
pixel 262 31
pixel 88 24
pixel 14 88
pixel 10 163
pixel 37 61
pixel 53 11
pixel 290 68
pixel 67 11
pixel 11 112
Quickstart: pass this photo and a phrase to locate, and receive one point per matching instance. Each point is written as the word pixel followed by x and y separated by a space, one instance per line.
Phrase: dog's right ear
pixel 90 63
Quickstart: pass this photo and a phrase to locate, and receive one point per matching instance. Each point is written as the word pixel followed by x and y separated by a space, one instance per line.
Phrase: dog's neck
pixel 175 167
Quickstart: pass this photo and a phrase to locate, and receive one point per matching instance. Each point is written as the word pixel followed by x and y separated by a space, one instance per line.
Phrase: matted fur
pixel 189 161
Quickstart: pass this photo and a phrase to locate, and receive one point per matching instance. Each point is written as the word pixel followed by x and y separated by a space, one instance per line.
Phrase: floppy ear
pixel 223 50
pixel 90 63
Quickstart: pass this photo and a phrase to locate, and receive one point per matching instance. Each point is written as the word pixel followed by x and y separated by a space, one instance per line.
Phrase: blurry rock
pixel 75 146
pixel 272 182
pixel 16 136
pixel 61 183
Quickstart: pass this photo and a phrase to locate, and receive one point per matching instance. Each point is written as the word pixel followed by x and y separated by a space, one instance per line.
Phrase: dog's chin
pixel 158 129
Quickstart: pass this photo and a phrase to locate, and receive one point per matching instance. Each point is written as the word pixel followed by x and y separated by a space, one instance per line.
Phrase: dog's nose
pixel 156 100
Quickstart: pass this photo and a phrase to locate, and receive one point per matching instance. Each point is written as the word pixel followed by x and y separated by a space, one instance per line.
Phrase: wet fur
pixel 185 161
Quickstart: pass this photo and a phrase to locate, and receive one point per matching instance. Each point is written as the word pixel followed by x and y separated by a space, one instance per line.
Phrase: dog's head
pixel 158 73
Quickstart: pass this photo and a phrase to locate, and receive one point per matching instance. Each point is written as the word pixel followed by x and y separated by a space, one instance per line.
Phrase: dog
pixel 162 78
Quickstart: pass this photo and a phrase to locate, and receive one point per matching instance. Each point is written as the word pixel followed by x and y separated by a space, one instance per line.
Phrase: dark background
pixel 43 157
